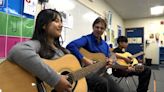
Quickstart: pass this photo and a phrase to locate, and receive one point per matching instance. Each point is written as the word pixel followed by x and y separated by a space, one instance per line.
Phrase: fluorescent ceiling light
pixel 157 10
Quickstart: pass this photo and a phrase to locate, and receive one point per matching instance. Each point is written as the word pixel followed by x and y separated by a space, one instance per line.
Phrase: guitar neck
pixel 87 70
pixel 138 54
pixel 117 66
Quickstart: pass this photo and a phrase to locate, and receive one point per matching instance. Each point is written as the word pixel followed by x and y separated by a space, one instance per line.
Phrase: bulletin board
pixel 15 26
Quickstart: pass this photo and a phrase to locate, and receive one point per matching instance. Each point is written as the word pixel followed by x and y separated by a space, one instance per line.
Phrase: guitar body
pixel 93 56
pixel 68 64
pixel 15 79
pixel 126 55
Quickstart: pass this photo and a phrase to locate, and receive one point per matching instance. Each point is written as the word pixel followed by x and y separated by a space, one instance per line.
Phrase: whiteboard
pixel 83 18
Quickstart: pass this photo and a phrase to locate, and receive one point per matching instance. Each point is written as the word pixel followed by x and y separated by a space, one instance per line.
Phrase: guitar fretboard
pixel 87 70
pixel 138 54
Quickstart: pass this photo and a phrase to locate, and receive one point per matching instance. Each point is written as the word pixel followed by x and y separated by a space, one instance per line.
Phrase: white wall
pixel 82 28
pixel 101 7
pixel 151 25
pixel 81 16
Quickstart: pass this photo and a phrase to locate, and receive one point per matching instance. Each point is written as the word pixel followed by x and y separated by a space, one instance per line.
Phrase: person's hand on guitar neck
pixel 63 85
pixel 110 62
pixel 87 61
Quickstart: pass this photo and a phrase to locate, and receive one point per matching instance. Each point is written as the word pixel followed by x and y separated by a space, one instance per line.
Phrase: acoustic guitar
pixel 101 60
pixel 128 55
pixel 15 79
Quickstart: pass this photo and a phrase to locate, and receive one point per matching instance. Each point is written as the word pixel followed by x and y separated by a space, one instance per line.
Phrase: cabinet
pixel 161 55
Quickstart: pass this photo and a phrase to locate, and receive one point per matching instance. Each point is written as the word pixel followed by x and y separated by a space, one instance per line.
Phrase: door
pixel 136 40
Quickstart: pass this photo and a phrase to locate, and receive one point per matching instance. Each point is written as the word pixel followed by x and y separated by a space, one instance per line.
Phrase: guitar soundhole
pixel 65 73
pixel 70 79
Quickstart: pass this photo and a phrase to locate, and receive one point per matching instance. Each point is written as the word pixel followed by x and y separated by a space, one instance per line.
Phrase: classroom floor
pixel 159 74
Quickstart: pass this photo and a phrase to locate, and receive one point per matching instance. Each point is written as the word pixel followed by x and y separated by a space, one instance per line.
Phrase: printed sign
pixel 30 6
pixel 1 2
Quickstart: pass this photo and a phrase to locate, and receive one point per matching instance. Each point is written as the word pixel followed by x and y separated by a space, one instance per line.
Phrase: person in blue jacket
pixel 95 44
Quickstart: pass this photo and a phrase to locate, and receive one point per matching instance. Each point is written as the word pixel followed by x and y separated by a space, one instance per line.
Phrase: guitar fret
pixel 87 70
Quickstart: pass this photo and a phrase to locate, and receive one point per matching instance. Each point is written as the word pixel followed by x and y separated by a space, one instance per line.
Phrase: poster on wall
pixel 109 19
pixel 163 36
pixel 11 41
pixel 1 2
pixel 67 20
pixel 2 46
pixel 112 36
pixel 109 31
pixel 157 35
pixel 135 40
pixel 119 30
pixel 162 40
pixel 30 6
pixel 162 43
pixel 151 36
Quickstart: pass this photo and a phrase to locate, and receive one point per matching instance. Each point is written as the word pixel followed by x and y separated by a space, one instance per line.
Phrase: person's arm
pixel 74 47
pixel 119 57
pixel 25 55
pixel 127 60
pixel 87 61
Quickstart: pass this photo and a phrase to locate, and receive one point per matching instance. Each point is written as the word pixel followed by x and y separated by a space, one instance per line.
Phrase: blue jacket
pixel 89 43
